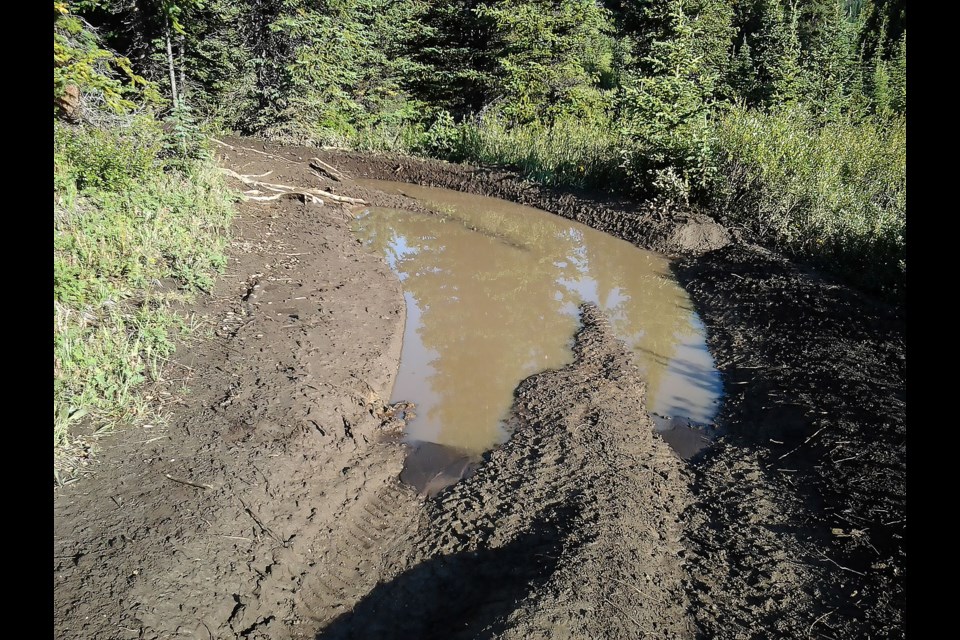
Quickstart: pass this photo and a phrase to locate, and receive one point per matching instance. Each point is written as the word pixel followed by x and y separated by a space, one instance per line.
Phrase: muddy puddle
pixel 492 291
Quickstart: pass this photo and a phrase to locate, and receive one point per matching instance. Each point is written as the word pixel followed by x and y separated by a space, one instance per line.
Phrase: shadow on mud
pixel 463 595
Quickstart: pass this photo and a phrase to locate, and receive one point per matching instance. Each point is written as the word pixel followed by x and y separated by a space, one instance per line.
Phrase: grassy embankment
pixel 137 229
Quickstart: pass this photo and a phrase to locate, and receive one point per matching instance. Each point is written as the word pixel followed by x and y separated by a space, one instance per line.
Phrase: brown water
pixel 492 290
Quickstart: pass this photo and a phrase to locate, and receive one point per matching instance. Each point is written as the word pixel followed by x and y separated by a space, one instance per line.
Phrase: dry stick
pixel 188 482
pixel 840 566
pixel 285 189
pixel 810 628
pixel 267 530
pixel 313 199
pixel 814 435
pixel 627 615
pixel 638 590
pixel 168 361
pixel 326 169
pixel 263 153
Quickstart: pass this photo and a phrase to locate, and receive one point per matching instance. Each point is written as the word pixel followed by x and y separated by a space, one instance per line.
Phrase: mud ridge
pixel 523 548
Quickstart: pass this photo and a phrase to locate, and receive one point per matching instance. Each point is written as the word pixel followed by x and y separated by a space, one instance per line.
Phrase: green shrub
pixel 568 153
pixel 107 159
pixel 834 194
pixel 125 220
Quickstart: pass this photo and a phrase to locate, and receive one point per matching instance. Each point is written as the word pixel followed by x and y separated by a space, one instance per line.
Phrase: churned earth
pixel 268 504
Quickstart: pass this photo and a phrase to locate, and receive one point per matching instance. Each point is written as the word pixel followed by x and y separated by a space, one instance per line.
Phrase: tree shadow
pixel 467 594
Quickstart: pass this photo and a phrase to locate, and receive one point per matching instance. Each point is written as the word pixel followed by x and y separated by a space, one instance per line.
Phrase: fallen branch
pixel 810 628
pixel 283 189
pixel 838 565
pixel 327 170
pixel 803 443
pixel 263 153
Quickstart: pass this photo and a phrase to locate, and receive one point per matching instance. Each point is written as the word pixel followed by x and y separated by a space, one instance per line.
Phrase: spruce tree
pixel 742 74
pixel 830 64
pixel 553 58
pixel 880 85
pixel 898 77
pixel 776 50
pixel 455 57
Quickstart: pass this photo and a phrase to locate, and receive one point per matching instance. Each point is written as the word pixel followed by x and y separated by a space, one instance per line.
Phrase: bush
pixel 567 153
pixel 106 159
pixel 834 194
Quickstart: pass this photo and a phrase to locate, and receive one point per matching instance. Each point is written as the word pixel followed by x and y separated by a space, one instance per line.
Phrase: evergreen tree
pixel 455 57
pixel 898 77
pixel 830 64
pixel 883 23
pixel 666 104
pixel 554 57
pixel 775 51
pixel 713 41
pixel 880 85
pixel 742 74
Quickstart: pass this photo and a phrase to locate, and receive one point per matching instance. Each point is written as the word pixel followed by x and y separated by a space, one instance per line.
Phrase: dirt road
pixel 269 505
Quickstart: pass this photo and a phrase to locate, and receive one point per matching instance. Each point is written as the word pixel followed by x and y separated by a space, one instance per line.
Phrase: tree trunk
pixel 173 74
pixel 183 73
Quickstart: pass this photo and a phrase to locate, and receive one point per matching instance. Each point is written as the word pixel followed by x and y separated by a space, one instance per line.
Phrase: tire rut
pixel 524 548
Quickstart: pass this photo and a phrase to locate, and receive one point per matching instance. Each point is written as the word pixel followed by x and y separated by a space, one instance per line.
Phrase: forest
pixel 782 119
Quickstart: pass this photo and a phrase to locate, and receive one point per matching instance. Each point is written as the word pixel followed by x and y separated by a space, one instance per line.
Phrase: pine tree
pixel 830 64
pixel 553 58
pixel 455 57
pixel 776 50
pixel 883 23
pixel 880 85
pixel 714 34
pixel 898 77
pixel 742 74
pixel 666 104
pixel 340 71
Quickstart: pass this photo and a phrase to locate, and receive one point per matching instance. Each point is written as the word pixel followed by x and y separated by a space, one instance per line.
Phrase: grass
pixel 834 195
pixel 136 230
pixel 568 153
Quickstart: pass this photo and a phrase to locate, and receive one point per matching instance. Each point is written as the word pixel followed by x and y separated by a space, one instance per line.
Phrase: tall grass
pixel 567 153
pixel 135 230
pixel 833 194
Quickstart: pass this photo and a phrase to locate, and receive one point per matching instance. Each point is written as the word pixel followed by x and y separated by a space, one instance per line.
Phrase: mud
pixel 478 278
pixel 523 548
pixel 583 525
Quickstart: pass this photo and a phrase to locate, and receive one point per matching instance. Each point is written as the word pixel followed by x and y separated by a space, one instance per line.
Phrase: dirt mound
pixel 570 530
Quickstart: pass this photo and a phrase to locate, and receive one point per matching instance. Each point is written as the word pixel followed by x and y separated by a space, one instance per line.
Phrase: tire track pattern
pixel 526 547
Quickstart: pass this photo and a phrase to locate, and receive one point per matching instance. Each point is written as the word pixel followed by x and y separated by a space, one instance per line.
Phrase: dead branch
pixel 263 153
pixel 188 482
pixel 327 170
pixel 282 189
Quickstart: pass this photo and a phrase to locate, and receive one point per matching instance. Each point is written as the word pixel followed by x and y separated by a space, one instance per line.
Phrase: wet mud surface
pixel 269 506
pixel 481 273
